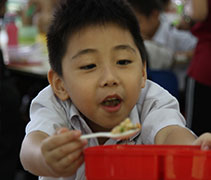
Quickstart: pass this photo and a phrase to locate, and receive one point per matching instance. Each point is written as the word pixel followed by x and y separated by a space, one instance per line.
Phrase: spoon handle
pixel 94 135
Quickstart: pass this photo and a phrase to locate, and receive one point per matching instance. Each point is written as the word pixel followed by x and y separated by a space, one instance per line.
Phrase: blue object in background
pixel 165 78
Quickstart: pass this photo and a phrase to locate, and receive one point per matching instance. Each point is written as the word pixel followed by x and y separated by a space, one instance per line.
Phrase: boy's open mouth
pixel 111 101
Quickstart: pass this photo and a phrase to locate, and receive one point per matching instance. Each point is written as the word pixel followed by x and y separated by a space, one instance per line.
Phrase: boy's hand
pixel 204 141
pixel 63 152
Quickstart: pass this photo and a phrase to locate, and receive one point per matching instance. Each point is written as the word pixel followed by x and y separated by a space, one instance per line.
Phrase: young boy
pixel 97 79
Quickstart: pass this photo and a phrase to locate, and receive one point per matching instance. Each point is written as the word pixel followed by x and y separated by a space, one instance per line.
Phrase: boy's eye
pixel 124 62
pixel 87 67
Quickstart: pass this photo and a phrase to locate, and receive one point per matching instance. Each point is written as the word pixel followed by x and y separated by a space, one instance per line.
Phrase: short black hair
pixel 146 7
pixel 165 2
pixel 73 15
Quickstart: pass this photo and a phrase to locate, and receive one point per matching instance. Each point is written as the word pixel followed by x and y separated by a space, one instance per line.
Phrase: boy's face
pixel 102 74
pixel 148 24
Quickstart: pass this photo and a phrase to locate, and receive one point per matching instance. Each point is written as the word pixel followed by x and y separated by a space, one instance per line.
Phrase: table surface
pixel 27 59
pixel 33 69
pixel 39 68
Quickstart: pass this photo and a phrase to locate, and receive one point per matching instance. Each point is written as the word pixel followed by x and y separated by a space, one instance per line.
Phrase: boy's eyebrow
pixel 125 46
pixel 84 51
pixel 118 47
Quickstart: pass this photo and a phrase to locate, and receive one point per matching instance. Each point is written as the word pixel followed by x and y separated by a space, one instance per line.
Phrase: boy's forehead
pixel 100 29
pixel 98 38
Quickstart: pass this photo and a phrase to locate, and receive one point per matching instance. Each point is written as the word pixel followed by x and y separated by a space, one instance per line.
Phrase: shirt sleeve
pixel 159 109
pixel 156 50
pixel 171 37
pixel 183 40
pixel 46 114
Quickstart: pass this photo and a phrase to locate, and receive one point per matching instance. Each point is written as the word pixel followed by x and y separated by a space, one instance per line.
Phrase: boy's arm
pixel 195 11
pixel 178 135
pixel 199 10
pixel 31 152
pixel 174 135
pixel 59 155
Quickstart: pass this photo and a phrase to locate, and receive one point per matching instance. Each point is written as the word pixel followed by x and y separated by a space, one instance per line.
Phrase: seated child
pixel 168 47
pixel 97 79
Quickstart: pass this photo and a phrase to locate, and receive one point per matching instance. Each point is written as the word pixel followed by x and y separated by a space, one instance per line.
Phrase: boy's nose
pixel 109 78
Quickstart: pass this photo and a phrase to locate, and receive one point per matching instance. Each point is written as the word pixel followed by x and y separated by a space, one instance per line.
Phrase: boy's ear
pixel 57 85
pixel 144 75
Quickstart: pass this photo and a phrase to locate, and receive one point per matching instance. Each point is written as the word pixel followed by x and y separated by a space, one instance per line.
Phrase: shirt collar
pixel 77 122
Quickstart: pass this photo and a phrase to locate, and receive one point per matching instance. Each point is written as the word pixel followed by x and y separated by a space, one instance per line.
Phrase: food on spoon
pixel 124 126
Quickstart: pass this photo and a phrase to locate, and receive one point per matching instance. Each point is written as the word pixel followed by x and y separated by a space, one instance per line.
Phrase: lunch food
pixel 124 126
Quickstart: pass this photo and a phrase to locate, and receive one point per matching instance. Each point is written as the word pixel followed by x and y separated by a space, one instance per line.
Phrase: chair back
pixel 165 78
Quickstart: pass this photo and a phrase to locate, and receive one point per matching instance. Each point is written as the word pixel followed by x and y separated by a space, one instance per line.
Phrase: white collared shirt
pixel 155 109
pixel 172 38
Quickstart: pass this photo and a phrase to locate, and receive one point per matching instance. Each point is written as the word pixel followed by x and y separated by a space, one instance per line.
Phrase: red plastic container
pixel 187 165
pixel 147 162
pixel 121 162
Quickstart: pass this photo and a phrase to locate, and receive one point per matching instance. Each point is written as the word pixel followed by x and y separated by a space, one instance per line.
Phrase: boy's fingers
pixel 70 159
pixel 60 139
pixel 68 165
pixel 206 145
pixel 69 148
pixel 204 141
pixel 74 166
